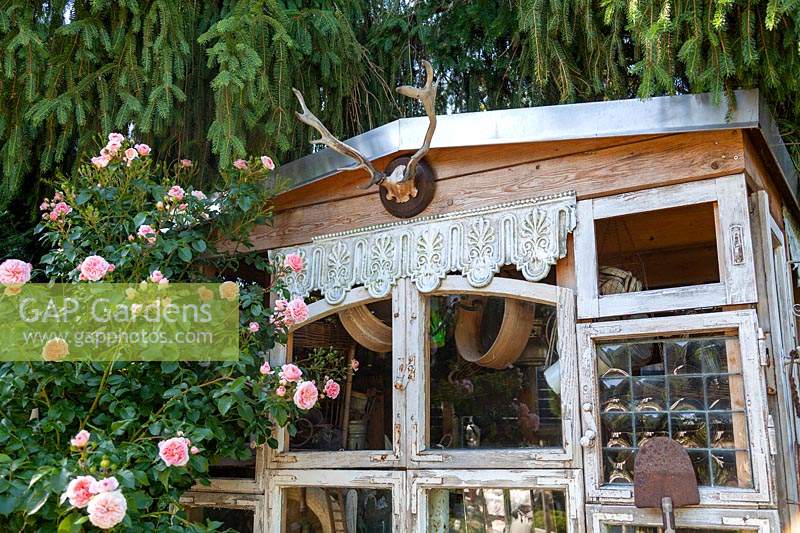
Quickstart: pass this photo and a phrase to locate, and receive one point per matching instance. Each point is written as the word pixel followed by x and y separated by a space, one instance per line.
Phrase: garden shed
pixel 563 285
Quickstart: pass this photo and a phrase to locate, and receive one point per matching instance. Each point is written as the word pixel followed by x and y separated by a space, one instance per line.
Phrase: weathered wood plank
pixel 760 178
pixel 662 161
pixel 585 251
pixel 448 163
pixel 736 268
pixel 673 298
pixel 655 199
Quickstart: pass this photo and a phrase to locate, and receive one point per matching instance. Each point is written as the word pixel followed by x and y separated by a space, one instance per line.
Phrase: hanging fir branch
pixel 211 80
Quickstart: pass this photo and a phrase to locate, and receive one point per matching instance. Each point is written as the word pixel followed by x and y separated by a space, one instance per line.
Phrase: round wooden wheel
pixel 366 329
pixel 513 336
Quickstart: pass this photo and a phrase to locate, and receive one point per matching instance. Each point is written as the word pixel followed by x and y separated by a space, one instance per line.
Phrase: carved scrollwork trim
pixel 530 234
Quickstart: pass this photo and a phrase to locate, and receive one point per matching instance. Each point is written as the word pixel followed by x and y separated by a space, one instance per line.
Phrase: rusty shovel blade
pixel 662 469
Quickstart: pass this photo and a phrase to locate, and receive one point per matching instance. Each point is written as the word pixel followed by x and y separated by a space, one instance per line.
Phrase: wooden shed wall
pixel 472 177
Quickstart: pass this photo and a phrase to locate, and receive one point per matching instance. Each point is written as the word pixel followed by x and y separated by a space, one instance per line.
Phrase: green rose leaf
pixel 185 253
pixel 224 404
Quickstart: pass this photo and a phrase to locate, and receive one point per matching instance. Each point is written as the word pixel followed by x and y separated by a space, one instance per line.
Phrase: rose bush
pixel 113 445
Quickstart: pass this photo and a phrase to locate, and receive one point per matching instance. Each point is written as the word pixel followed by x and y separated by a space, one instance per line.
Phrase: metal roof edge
pixel 611 118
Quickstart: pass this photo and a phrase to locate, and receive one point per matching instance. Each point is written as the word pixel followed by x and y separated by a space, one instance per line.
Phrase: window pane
pixel 659 249
pixel 318 510
pixel 690 389
pixel 489 510
pixel 488 386
pixel 241 520
pixel 221 467
pixel 361 417
pixel 651 529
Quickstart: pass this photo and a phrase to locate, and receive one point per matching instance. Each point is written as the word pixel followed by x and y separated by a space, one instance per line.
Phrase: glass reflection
pixel 475 510
pixel 240 520
pixel 360 418
pixel 652 529
pixel 349 510
pixel 689 389
pixel 494 374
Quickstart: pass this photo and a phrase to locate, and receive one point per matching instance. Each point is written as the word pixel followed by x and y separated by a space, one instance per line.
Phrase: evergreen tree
pixel 210 80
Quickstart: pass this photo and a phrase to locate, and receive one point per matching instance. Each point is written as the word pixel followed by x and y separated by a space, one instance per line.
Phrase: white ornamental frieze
pixel 529 234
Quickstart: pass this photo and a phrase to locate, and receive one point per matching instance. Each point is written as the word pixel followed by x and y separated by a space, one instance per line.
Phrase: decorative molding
pixel 530 234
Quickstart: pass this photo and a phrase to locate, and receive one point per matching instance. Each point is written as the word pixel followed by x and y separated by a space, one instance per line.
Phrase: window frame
pixel 394 480
pixel 283 458
pixel 745 323
pixel 760 521
pixel 416 376
pixel 228 500
pixel 736 284
pixel 569 480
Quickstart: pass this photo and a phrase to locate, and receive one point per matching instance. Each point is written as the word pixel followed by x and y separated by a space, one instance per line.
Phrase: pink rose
pixel 81 439
pixel 44 206
pixel 332 389
pixel 266 369
pixel 112 148
pixel 14 272
pixel 100 161
pixel 78 491
pixel 195 450
pixel 294 261
pixel 268 163
pixel 145 230
pixel 186 163
pixel 107 509
pixel 291 372
pixel 62 208
pixel 116 138
pixel 94 268
pixel 174 451
pixel 281 391
pixel 296 311
pixel 156 276
pixel 280 305
pixel 105 485
pixel 254 327
pixel 241 164
pixel 143 149
pixel 148 233
pixel 199 195
pixel 176 191
pixel 305 397
pixel 58 196
pixel 131 154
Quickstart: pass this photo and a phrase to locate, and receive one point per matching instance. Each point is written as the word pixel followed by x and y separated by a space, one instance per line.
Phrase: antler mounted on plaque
pixel 400 184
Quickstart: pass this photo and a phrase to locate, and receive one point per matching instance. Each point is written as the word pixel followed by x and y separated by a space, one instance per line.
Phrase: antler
pixel 326 138
pixel 426 95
